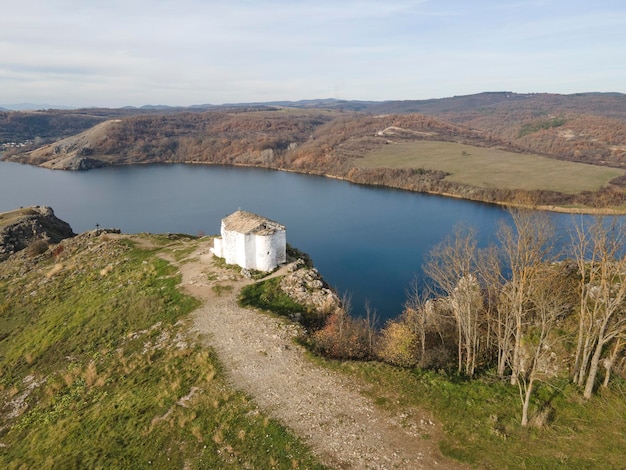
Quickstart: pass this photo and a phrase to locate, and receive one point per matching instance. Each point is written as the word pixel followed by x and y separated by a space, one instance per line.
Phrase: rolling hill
pixel 333 137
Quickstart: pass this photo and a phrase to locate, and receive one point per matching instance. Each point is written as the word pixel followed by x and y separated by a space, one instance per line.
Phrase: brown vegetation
pixel 588 128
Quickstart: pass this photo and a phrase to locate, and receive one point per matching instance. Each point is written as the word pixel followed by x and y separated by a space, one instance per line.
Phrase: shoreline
pixel 540 207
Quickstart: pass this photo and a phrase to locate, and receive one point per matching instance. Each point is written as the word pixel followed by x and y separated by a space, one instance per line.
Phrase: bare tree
pixel 526 247
pixel 549 304
pixel 500 325
pixel 451 266
pixel 598 251
pixel 467 304
pixel 371 326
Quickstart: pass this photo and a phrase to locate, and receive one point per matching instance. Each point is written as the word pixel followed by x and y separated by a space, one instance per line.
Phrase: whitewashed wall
pixel 260 252
pixel 270 251
pixel 233 247
pixel 217 247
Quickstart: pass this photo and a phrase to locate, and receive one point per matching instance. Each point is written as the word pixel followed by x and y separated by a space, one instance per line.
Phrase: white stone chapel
pixel 251 241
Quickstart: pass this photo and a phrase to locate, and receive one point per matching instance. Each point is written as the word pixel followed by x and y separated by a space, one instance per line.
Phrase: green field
pixel 491 168
pixel 97 369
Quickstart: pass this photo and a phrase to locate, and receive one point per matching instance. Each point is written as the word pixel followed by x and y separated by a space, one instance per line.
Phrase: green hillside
pixel 98 370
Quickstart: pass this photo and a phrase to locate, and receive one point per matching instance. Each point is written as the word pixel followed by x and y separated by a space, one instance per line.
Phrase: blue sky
pixel 183 52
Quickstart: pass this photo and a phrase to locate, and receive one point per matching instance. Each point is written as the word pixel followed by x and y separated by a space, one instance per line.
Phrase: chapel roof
pixel 247 222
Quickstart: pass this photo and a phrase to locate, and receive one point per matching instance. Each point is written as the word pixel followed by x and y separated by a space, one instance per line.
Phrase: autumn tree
pixel 421 335
pixel 402 341
pixel 399 344
pixel 347 337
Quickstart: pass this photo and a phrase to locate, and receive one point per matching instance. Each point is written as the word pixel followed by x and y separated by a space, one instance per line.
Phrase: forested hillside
pixel 586 127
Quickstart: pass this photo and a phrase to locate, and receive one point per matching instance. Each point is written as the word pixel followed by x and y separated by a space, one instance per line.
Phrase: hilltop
pixel 132 351
pixel 107 360
pixel 339 139
pixel 25 227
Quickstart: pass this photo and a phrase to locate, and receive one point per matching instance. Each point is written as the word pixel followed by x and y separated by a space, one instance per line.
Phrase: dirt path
pixel 342 426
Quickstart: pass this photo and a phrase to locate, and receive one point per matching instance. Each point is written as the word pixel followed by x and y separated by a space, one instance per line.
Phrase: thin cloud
pixel 190 51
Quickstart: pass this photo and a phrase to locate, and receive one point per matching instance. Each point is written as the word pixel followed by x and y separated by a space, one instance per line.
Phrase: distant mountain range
pixel 435 106
pixel 32 107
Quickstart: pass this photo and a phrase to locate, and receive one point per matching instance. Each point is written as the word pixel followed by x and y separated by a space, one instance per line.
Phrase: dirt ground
pixel 325 409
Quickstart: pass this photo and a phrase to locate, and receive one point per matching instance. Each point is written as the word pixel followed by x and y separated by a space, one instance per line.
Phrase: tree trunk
pixel 525 406
pixel 516 348
pixel 460 347
pixel 608 365
pixel 584 362
pixel 593 369
pixel 504 350
pixel 579 348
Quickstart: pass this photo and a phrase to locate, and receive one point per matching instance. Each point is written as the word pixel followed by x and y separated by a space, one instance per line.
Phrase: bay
pixel 367 242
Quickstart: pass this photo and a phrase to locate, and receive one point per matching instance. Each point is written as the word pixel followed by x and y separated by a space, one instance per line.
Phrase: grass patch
pixel 267 295
pixel 10 217
pixel 492 168
pixel 481 418
pixel 97 371
pixel 219 289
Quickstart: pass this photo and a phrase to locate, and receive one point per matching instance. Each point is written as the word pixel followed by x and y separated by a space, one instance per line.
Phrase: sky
pixel 116 53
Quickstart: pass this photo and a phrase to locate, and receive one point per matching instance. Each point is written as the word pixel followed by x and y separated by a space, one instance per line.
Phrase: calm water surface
pixel 366 241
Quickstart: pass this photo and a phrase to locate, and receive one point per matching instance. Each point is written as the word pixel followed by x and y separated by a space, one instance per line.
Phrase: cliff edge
pixel 19 228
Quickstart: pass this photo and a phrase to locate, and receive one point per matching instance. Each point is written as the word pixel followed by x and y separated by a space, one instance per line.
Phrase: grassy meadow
pixel 97 369
pixel 491 168
pixel 481 418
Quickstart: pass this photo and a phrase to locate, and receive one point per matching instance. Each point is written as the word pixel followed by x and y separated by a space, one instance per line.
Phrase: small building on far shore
pixel 251 241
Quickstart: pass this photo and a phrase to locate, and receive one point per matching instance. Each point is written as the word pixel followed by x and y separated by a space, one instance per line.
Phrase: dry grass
pixel 491 168
pixel 10 217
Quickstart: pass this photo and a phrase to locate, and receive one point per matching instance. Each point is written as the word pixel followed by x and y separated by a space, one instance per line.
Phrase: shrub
pixel 398 345
pixel 57 251
pixel 37 247
pixel 344 337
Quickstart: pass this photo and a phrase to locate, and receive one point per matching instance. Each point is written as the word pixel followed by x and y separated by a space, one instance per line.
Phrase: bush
pixel 37 247
pixel 398 345
pixel 344 337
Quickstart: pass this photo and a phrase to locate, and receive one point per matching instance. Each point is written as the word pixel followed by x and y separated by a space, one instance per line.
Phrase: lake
pixel 366 241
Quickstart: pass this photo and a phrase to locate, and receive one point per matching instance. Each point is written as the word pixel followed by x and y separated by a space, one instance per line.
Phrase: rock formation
pixel 306 286
pixel 21 227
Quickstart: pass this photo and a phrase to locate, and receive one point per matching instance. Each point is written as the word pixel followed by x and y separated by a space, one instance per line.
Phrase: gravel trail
pixel 325 409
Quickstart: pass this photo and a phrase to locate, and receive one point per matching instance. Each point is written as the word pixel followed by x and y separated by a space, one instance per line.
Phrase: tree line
pixel 521 309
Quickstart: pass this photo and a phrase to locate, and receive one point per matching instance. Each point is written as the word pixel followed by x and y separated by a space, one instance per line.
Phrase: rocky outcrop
pixel 75 163
pixel 305 286
pixel 21 227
